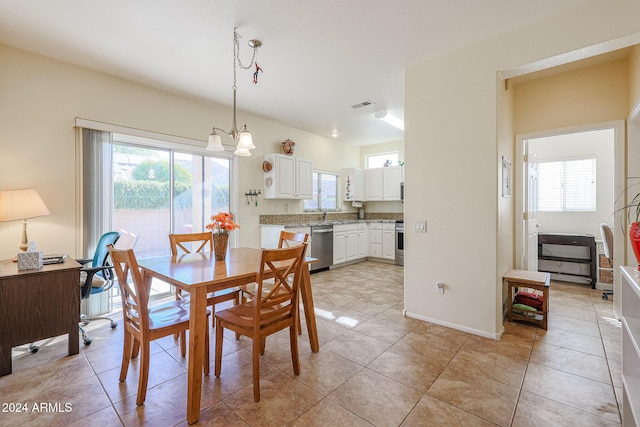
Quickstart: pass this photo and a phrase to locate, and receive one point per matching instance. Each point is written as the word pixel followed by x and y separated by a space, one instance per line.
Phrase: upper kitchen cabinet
pixel 353 182
pixel 287 177
pixel 383 183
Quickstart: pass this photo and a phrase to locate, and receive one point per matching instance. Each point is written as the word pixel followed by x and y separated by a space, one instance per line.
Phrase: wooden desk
pixel 198 274
pixel 38 304
pixel 528 279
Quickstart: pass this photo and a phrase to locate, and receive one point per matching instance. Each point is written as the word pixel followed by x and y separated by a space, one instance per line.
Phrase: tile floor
pixel 375 367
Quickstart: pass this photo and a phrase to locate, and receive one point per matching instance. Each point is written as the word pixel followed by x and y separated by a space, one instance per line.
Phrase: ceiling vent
pixel 362 104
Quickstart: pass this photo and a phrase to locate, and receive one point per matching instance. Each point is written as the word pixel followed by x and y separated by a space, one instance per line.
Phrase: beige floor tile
pixel 410 368
pixel 282 400
pixel 53 402
pixel 615 369
pixel 431 412
pixel 509 344
pixel 323 371
pixel 500 367
pixel 236 373
pixel 162 367
pixel 534 410
pixel 329 413
pixel 613 349
pixel 572 361
pixel 165 404
pixel 377 399
pixel 586 327
pixel 573 390
pixel 357 347
pixel 579 342
pixel 382 329
pixel 587 313
pixel 217 415
pixel 481 396
pixel 104 418
pixel 611 329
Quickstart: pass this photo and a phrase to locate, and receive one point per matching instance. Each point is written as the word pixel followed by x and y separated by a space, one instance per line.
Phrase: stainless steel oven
pixel 399 242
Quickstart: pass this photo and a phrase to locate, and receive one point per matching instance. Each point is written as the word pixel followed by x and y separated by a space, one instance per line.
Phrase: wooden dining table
pixel 198 274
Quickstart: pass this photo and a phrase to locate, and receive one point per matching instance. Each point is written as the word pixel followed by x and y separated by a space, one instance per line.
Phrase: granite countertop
pixel 328 222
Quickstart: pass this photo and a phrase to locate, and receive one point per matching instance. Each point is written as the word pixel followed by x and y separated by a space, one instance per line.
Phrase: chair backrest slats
pixel 135 296
pixel 177 242
pixel 282 299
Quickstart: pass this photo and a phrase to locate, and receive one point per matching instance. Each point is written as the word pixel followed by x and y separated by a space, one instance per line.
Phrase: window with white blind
pixel 567 185
pixel 325 192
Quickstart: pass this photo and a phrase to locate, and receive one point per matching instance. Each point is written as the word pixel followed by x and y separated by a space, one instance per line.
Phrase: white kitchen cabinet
pixel 287 177
pixel 353 184
pixel 630 347
pixel 391 179
pixel 389 240
pixel 270 236
pixel 339 246
pixel 345 243
pixel 382 240
pixel 363 240
pixel 383 183
pixel 373 184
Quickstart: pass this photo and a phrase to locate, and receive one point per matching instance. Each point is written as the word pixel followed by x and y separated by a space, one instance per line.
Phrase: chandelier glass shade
pixel 241 137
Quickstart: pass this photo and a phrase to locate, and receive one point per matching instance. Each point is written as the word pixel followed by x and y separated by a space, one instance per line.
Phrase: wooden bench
pixel 532 280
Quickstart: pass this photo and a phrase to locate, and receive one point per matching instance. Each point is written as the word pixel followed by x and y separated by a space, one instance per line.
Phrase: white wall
pixel 39 99
pixel 451 135
pixel 571 146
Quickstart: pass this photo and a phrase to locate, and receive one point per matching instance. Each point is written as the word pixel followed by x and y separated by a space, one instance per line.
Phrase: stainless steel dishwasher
pixel 322 246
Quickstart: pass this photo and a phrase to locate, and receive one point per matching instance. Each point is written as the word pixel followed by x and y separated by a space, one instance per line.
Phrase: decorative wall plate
pixel 266 166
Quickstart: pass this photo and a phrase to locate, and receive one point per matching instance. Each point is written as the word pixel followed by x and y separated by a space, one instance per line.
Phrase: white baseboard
pixel 462 328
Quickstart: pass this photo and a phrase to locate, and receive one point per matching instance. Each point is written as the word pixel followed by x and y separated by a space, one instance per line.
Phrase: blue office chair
pixel 97 276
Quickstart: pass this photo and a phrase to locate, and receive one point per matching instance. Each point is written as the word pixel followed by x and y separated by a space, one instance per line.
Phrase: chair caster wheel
pixel 33 349
pixel 88 341
pixel 113 325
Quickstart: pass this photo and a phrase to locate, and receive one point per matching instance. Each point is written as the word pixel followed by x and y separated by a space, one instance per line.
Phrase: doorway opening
pixel 569 180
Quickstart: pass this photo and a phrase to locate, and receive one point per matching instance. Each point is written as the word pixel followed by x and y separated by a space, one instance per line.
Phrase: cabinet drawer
pixel 375 226
pixel 344 227
pixel 389 226
pixel 375 236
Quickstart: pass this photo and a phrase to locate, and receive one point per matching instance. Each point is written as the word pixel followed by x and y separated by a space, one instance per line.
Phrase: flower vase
pixel 220 242
pixel 634 237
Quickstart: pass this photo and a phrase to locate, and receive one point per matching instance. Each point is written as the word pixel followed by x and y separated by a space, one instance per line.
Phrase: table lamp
pixel 21 205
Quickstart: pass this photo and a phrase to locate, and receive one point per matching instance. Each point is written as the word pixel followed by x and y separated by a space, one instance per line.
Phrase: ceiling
pixel 319 58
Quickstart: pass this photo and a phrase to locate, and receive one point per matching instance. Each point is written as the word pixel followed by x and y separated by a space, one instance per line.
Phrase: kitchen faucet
pixel 324 215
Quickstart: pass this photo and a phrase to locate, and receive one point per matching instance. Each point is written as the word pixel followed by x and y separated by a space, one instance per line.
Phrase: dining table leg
pixel 309 312
pixel 197 329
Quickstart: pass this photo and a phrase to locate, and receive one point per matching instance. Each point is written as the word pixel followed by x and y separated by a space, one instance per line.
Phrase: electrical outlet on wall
pixel 440 287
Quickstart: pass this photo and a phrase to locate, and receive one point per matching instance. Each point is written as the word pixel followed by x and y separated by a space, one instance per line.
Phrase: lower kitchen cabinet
pixel 382 240
pixel 345 243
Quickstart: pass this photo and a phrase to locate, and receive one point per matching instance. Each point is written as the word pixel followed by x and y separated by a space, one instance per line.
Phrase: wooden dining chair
pixel 287 240
pixel 143 324
pixel 202 242
pixel 269 311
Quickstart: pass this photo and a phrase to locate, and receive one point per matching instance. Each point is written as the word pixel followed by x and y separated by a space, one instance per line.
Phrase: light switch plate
pixel 420 227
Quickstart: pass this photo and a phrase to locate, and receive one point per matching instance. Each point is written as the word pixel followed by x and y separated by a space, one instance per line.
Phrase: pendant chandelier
pixel 241 137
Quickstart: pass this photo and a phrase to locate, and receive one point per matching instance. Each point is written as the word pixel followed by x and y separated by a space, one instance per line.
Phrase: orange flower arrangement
pixel 222 223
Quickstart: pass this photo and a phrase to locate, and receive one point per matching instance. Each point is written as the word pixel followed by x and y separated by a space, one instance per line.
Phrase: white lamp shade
pixel 245 141
pixel 215 143
pixel 242 151
pixel 21 204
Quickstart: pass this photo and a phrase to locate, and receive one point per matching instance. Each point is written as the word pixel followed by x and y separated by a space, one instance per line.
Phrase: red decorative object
pixel 288 146
pixel 634 237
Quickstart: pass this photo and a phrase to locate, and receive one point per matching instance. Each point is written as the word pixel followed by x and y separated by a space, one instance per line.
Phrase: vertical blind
pixel 567 185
